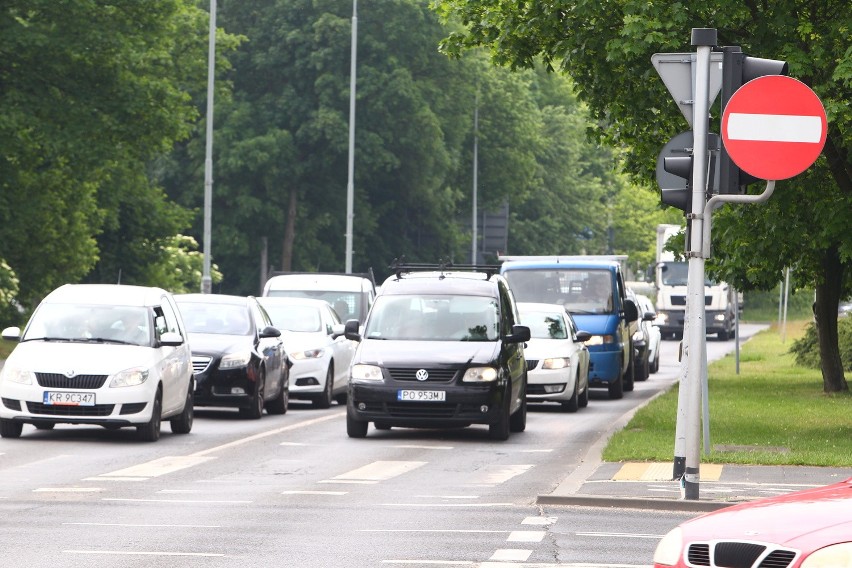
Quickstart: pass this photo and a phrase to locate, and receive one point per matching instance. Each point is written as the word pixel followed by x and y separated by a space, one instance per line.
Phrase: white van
pixel 351 295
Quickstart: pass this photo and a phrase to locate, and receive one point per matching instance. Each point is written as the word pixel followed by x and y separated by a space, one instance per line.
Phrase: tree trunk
pixel 290 236
pixel 825 312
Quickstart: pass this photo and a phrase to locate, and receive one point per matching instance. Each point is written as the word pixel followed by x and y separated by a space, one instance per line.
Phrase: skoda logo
pixel 421 374
pixel 70 374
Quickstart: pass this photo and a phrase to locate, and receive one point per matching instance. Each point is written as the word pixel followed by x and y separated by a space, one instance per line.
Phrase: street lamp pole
pixel 350 185
pixel 206 280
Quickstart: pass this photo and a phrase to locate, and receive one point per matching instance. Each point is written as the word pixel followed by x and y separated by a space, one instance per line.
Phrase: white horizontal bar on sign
pixel 774 127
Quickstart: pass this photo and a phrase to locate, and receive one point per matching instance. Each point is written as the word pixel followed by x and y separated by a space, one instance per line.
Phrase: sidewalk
pixel 649 485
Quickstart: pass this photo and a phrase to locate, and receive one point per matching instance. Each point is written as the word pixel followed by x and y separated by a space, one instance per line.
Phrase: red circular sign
pixel 774 127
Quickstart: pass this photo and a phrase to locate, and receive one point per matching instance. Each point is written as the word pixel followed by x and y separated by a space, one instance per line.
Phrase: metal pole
pixel 475 173
pixel 350 184
pixel 737 328
pixel 786 296
pixel 703 39
pixel 206 280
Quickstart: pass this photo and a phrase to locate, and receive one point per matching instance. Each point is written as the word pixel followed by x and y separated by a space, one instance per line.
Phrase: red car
pixel 805 529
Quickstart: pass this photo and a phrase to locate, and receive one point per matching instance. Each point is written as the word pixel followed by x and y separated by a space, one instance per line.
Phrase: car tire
pixel 616 388
pixel 723 335
pixel 355 428
pixel 518 421
pixel 644 370
pixel 324 401
pixel 150 431
pixel 279 404
pixel 182 423
pixel 655 364
pixel 583 399
pixel 255 411
pixel 10 428
pixel 573 403
pixel 629 374
pixel 499 430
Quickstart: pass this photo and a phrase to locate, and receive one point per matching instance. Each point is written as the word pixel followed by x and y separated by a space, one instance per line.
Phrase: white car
pixel 655 337
pixel 313 338
pixel 104 354
pixel 557 357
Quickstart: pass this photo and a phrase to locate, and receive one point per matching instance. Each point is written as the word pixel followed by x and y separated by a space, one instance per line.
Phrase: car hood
pixel 217 343
pixel 303 340
pixel 804 520
pixel 596 324
pixel 544 348
pixel 80 358
pixel 434 353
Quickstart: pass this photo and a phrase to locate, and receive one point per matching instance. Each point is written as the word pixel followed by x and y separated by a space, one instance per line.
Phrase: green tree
pixel 605 46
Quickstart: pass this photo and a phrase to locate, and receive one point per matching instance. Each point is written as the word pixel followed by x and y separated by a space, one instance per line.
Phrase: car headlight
pixel 235 360
pixel 129 377
pixel 719 317
pixel 480 375
pixel 669 548
pixel 834 556
pixel 600 340
pixel 556 363
pixel 17 375
pixel 662 319
pixel 309 354
pixel 366 373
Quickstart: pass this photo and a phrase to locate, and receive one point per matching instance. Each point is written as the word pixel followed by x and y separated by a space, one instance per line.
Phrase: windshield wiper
pixel 48 339
pixel 107 340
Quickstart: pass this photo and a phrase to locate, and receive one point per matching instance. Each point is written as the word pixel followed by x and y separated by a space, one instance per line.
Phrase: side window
pixel 620 289
pixel 166 319
pixel 508 315
pixel 262 318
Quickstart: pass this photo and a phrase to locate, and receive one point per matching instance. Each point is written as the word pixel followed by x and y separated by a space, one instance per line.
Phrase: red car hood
pixel 804 520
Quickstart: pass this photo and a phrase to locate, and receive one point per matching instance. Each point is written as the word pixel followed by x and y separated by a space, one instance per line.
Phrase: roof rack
pixel 399 266
pixel 560 258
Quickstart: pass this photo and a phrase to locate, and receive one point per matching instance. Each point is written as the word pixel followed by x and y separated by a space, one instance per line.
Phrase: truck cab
pixel 592 290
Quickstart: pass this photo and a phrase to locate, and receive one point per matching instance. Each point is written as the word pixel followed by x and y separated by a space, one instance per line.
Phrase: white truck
pixel 720 302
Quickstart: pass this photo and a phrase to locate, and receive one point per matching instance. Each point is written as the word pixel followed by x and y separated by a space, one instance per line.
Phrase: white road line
pixel 539 521
pixel 179 491
pixel 620 535
pixel 447 504
pixel 432 562
pixel 67 490
pixel 314 492
pixel 201 501
pixel 511 555
pixel 379 471
pixel 105 478
pixel 448 496
pixel 526 536
pixel 140 553
pixel 145 525
pixel 158 467
pixel 493 475
pixel 536 451
pixel 293 444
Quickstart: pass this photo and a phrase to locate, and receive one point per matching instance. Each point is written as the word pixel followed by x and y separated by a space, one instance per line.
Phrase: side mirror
pixel 631 312
pixel 520 334
pixel 270 331
pixel 649 316
pixel 171 339
pixel 583 336
pixel 352 330
pixel 12 333
pixel 337 330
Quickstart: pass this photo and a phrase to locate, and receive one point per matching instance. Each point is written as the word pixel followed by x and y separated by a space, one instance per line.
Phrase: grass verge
pixel 771 413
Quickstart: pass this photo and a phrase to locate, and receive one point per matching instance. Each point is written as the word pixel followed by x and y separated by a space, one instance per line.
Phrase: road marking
pixel 620 535
pixel 494 475
pixel 349 481
pixel 179 491
pixel 423 447
pixel 526 536
pixel 633 471
pixel 458 531
pixel 378 471
pixel 67 490
pixel 539 521
pixel 105 478
pixel 174 500
pixel 511 555
pixel 536 451
pixel 314 492
pixel 293 444
pixel 140 553
pixel 448 496
pixel 158 467
pixel 447 504
pixel 431 562
pixel 145 525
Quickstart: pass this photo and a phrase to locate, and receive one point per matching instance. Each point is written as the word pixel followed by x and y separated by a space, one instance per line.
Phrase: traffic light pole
pixel 704 39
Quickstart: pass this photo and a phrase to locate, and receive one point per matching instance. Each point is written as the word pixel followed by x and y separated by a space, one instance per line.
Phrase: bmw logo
pixel 421 374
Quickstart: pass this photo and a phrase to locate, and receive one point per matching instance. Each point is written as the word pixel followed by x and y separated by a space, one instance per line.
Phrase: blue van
pixel 593 292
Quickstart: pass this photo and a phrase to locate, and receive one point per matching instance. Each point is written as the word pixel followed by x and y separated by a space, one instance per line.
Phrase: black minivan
pixel 440 348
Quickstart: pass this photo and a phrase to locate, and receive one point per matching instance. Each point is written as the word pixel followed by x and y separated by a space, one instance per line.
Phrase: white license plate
pixel 69 398
pixel 422 395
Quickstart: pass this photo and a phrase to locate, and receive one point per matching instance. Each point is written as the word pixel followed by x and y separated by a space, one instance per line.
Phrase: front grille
pixel 532 364
pixel 60 381
pixel 681 300
pixel 539 389
pixel 409 374
pixel 59 410
pixel 133 408
pixel 200 364
pixel 737 554
pixel 429 410
pixel 12 404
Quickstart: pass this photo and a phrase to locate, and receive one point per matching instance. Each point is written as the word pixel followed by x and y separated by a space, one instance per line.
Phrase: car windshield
pixel 224 319
pixel 581 291
pixel 346 304
pixel 72 322
pixel 544 325
pixel 434 318
pixel 295 318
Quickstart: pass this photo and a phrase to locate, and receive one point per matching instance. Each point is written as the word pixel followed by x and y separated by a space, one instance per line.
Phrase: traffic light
pixel 737 70
pixel 680 197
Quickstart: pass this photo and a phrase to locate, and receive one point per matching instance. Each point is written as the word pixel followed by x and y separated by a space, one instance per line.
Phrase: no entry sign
pixel 774 127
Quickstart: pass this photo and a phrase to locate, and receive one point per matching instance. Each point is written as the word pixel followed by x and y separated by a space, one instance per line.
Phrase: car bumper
pixel 604 367
pixel 307 378
pixel 123 406
pixel 539 381
pixel 464 405
pixel 230 388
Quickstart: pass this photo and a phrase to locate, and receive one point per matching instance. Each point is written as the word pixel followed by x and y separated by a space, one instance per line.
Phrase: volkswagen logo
pixel 421 374
pixel 70 374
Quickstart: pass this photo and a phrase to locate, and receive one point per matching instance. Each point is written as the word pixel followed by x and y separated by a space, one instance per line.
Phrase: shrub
pixel 806 348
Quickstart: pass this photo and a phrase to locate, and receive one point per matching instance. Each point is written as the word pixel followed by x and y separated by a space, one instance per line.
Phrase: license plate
pixel 421 395
pixel 69 398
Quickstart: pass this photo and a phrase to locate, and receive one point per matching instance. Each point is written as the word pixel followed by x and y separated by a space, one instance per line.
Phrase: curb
pixel 632 503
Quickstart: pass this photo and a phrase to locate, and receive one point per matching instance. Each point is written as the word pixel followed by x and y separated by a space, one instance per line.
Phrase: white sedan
pixel 313 337
pixel 557 357
pixel 654 335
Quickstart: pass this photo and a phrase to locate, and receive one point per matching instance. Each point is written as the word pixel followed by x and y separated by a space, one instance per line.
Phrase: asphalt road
pixel 294 490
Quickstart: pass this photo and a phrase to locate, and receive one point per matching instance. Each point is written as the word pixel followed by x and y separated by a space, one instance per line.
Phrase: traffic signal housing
pixel 680 197
pixel 737 70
